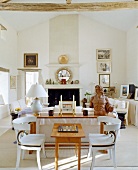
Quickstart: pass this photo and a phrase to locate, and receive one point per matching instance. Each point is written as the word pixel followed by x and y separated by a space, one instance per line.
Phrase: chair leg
pixel 114 159
pixel 89 152
pixel 23 153
pixel 110 153
pixel 38 160
pixel 18 157
pixel 93 160
pixel 43 148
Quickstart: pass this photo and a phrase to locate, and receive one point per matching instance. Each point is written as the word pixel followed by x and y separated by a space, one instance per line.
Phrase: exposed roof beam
pixel 2 27
pixel 4 1
pixel 47 7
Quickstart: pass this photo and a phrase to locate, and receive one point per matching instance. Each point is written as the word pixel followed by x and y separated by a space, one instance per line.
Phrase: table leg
pixel 56 155
pixel 79 154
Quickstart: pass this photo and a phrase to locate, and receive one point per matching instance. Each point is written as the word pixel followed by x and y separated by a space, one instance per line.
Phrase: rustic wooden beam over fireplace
pixel 57 7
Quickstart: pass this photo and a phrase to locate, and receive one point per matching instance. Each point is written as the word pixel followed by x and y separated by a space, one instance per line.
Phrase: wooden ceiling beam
pixel 51 7
pixel 4 1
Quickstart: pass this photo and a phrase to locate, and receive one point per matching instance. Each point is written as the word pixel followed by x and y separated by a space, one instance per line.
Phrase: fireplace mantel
pixel 63 86
pixel 66 90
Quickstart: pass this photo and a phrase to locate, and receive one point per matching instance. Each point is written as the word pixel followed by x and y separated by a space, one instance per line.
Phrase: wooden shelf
pixel 63 86
pixel 63 65
pixel 29 69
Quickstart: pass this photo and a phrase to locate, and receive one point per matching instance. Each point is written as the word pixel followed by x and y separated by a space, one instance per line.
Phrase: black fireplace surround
pixel 67 95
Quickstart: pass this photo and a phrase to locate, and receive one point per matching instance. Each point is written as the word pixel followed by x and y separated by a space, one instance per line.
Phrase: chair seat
pixel 101 140
pixel 32 140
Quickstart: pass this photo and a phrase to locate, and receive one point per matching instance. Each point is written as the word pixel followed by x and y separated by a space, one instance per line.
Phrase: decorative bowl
pixel 63 59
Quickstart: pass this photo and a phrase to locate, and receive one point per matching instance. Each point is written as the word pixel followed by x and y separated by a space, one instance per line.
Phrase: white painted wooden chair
pixel 27 141
pixel 105 141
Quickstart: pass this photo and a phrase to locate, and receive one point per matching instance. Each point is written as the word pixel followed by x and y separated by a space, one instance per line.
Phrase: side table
pixel 121 116
pixel 14 115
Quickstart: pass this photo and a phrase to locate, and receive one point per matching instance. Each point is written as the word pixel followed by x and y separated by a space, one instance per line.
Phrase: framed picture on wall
pixel 31 60
pixel 136 94
pixel 103 54
pixel 124 91
pixel 104 67
pixel 104 80
pixel 112 89
pixel 12 82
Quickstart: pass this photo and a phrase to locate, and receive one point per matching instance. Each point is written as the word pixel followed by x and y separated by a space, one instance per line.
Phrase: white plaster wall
pixel 132 56
pixel 8 58
pixel 92 36
pixel 35 40
pixel 79 39
pixel 63 38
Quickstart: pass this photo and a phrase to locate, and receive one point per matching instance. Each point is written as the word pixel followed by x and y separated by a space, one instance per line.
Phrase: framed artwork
pixel 124 91
pixel 67 106
pixel 104 80
pixel 31 60
pixel 104 67
pixel 136 94
pixel 112 89
pixel 103 54
pixel 12 82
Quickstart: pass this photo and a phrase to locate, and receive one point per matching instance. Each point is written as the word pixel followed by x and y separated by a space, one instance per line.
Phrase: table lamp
pixel 36 91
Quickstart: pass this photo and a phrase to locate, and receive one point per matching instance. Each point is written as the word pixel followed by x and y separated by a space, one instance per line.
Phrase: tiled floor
pixel 5 124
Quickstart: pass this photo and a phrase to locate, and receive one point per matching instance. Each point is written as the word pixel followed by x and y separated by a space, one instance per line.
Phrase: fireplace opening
pixel 67 95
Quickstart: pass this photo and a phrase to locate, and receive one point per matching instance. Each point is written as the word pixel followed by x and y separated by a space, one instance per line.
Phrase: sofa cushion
pixel 122 105
pixel 4 111
pixel 111 101
pixel 22 104
pixel 116 102
pixel 14 105
pixel 1 100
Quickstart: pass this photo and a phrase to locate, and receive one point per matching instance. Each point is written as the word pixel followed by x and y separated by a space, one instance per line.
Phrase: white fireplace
pixel 67 91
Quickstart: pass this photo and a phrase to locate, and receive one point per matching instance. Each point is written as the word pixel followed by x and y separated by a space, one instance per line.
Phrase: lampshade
pixel 37 91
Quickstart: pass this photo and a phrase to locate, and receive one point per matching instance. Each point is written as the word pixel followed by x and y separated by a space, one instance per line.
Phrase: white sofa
pixel 18 104
pixel 4 111
pixel 4 108
pixel 120 105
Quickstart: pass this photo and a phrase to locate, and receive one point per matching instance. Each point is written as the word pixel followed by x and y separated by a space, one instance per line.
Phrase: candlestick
pixel 61 98
pixel 73 102
pixel 60 109
pixel 73 98
pixel 60 101
pixel 75 106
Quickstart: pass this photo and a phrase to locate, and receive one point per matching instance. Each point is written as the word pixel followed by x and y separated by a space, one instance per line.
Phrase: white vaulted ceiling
pixel 122 19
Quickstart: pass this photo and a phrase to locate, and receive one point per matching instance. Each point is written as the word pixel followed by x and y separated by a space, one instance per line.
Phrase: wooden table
pixel 67 137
